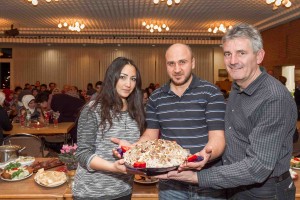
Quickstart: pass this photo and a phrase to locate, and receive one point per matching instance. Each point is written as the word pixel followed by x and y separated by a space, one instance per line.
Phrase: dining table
pixel 29 189
pixel 62 128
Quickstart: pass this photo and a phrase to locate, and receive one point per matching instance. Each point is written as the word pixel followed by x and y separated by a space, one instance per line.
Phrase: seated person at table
pixel 42 101
pixel 5 123
pixel 30 105
pixel 68 105
pixel 54 92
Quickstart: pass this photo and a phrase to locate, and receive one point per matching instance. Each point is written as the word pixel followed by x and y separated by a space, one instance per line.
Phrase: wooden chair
pixel 34 145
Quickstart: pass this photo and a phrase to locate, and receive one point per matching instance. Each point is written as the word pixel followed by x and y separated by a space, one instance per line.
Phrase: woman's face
pixel 32 104
pixel 126 82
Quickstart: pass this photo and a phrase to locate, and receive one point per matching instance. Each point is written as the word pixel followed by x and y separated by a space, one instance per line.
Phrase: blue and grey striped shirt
pixel 187 119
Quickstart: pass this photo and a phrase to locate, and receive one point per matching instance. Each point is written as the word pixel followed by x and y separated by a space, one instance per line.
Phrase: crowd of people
pixel 246 142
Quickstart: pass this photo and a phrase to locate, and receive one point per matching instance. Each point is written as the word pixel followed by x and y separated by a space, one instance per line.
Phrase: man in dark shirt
pixel 69 108
pixel 260 121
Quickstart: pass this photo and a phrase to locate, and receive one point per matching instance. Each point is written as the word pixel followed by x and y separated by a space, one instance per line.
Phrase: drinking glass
pixel 55 116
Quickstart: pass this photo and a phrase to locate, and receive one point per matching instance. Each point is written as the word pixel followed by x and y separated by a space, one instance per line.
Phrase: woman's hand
pixel 120 143
pixel 120 167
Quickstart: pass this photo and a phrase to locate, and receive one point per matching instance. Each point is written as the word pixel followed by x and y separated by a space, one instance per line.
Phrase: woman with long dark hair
pixel 117 112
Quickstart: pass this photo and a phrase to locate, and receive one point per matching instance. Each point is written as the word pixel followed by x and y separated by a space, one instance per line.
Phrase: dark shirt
pixel 259 126
pixel 5 123
pixel 297 96
pixel 187 119
pixel 67 106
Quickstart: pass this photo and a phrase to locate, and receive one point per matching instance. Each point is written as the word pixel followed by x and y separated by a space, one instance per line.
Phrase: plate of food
pixel 295 163
pixel 14 171
pixel 25 160
pixel 50 178
pixel 155 157
pixel 144 179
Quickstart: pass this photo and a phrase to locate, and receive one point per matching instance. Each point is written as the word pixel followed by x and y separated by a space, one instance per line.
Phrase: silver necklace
pixel 124 120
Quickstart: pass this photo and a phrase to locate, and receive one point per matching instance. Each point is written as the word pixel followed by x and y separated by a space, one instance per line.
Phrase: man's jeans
pixel 175 190
pixel 270 190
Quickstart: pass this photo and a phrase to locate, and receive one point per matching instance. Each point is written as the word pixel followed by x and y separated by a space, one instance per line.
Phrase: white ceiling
pixel 113 18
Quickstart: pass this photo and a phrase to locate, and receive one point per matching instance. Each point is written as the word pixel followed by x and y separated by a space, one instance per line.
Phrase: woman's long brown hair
pixel 110 102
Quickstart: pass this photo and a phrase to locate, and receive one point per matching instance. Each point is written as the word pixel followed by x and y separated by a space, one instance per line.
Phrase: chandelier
pixel 169 2
pixel 73 26
pixel 155 27
pixel 277 3
pixel 221 27
pixel 35 2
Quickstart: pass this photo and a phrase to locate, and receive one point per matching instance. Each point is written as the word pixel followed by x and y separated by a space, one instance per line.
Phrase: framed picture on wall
pixel 223 73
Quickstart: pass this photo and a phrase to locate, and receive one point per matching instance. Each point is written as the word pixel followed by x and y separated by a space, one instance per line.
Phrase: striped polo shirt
pixel 187 119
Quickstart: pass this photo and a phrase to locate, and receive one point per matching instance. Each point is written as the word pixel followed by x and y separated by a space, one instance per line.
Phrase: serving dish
pixel 50 178
pixel 151 171
pixel 9 153
pixel 13 180
pixel 25 160
pixel 50 186
pixel 145 179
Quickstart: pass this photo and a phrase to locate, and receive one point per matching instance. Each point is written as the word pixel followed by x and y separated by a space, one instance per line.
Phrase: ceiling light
pixel 221 27
pixel 72 26
pixel 35 2
pixel 169 2
pixel 155 27
pixel 277 3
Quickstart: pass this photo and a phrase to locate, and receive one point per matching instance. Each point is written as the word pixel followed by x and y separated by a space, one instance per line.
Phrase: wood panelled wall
pixel 282 46
pixel 78 65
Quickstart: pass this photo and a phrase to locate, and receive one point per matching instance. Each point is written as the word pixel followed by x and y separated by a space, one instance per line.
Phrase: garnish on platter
pixel 14 172
pixel 295 163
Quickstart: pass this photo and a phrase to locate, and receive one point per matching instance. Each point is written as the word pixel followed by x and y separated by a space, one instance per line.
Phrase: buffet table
pixel 29 189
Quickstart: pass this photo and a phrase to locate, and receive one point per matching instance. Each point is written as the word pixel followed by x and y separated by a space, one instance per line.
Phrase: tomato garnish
pixel 125 148
pixel 192 158
pixel 139 165
pixel 297 159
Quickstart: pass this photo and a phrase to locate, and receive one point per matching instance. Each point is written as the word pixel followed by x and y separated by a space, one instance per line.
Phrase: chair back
pixel 34 145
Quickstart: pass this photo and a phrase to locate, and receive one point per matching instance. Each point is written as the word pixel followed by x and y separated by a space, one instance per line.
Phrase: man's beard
pixel 186 79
